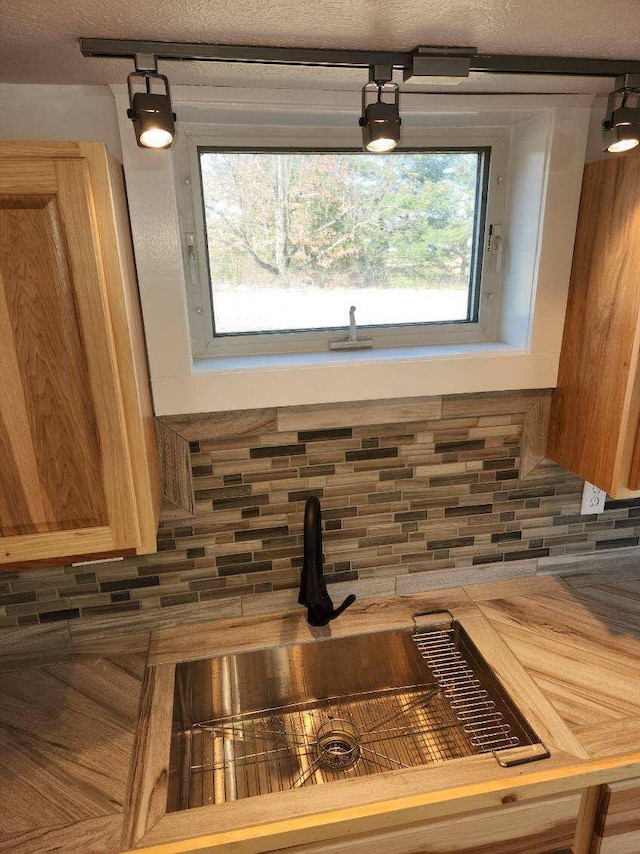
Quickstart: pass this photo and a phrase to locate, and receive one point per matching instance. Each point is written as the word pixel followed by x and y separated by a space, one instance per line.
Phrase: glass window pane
pixel 294 239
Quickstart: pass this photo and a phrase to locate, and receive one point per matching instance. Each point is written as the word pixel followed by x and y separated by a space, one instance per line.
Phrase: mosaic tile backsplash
pixel 398 498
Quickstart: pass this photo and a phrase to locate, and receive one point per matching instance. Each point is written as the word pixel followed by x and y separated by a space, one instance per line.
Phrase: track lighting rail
pixel 244 53
pixel 488 63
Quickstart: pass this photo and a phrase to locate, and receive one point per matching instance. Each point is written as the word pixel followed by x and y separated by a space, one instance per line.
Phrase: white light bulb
pixel 623 145
pixel 156 138
pixel 381 145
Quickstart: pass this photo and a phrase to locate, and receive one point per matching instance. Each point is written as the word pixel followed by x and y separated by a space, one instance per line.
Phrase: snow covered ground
pixel 267 309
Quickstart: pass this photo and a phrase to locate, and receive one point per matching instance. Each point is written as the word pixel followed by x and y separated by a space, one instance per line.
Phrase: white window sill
pixel 340 358
pixel 258 382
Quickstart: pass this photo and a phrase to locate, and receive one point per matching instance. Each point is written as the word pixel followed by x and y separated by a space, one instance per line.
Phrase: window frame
pixel 495 146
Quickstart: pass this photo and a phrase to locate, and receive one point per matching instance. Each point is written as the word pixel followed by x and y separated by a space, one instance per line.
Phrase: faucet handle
pixel 347 602
pixel 323 614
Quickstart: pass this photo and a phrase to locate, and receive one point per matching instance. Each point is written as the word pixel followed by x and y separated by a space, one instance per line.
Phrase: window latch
pixel 495 245
pixel 192 264
pixel 191 248
pixel 351 342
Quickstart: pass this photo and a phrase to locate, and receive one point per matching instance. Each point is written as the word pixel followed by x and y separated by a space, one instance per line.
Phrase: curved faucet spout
pixel 313 588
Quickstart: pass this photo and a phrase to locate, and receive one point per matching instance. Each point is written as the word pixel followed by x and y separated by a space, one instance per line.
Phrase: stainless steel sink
pixel 280 718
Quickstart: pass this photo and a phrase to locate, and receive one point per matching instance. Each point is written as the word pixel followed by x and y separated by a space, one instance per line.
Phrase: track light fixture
pixel 621 127
pixel 380 120
pixel 154 120
pixel 151 112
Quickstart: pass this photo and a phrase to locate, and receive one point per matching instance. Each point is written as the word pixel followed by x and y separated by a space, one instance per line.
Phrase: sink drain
pixel 338 745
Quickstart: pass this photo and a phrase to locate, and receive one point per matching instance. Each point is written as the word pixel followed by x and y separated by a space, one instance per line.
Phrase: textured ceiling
pixel 38 38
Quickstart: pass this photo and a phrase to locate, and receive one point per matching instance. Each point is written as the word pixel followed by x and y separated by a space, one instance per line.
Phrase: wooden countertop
pixel 67 734
pixel 579 640
pixel 68 716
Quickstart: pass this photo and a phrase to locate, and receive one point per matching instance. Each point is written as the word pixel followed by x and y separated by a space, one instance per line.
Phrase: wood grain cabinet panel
pixel 78 459
pixel 45 414
pixel 617 826
pixel 538 827
pixel 596 405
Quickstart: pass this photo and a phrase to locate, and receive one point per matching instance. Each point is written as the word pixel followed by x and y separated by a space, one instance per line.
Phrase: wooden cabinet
pixel 596 406
pixel 617 826
pixel 78 457
pixel 543 826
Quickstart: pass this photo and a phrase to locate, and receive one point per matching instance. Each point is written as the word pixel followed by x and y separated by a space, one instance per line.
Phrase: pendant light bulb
pixel 151 112
pixel 156 137
pixel 379 146
pixel 380 120
pixel 620 137
pixel 621 126
pixel 623 145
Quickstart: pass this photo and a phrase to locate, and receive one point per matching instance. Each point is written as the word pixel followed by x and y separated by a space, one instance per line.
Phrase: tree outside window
pixel 295 238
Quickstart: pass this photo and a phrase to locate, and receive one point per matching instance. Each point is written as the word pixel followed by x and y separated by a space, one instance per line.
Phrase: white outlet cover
pixel 592 499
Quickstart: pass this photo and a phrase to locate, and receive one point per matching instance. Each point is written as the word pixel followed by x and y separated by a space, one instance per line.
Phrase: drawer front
pixel 538 827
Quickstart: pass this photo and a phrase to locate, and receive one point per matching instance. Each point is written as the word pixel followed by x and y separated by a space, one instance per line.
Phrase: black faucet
pixel 313 588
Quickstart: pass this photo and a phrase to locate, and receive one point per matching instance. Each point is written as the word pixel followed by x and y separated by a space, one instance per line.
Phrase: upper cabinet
pixel 596 406
pixel 78 457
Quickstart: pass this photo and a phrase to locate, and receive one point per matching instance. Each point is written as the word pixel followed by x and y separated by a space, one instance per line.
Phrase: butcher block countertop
pixel 84 725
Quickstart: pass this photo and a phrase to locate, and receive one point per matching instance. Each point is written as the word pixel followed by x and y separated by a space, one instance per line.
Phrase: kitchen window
pixel 285 241
pixel 535 146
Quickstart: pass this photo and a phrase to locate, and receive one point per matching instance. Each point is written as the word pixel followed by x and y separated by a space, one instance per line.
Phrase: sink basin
pixel 281 718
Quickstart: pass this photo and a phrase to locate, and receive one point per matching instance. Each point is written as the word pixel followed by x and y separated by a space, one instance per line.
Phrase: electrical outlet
pixel 592 499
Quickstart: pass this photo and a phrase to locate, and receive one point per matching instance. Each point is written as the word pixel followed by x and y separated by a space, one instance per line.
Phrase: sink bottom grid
pixel 330 739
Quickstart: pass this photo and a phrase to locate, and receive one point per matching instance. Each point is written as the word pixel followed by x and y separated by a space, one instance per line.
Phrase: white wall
pixel 542 221
pixel 85 113
pixel 529 162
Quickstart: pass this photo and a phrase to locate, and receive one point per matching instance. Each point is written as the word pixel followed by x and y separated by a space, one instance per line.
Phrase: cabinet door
pixel 65 472
pixel 595 407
